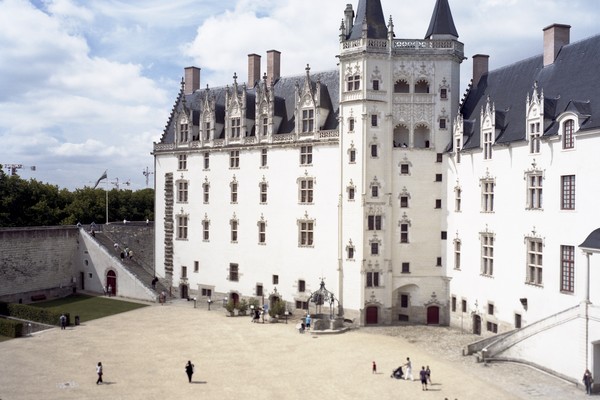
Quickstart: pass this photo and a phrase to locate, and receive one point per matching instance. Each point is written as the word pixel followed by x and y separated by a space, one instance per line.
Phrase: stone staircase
pixel 142 273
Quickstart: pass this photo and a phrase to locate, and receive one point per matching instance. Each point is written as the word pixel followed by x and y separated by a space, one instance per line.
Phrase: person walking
pixel 374 369
pixel 99 371
pixel 189 370
pixel 588 380
pixel 428 374
pixel 408 365
pixel 308 322
pixel 423 376
pixel 63 321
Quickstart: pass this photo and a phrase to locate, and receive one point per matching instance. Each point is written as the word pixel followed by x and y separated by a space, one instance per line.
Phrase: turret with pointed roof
pixel 441 23
pixel 369 18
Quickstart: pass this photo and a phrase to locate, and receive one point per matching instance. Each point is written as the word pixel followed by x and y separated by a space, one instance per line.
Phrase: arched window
pixel 401 86
pixel 422 86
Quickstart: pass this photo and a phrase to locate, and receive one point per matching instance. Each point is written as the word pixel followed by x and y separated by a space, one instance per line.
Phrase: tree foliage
pixel 33 203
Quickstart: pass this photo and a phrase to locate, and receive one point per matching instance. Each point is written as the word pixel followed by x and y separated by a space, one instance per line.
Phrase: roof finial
pixel 235 77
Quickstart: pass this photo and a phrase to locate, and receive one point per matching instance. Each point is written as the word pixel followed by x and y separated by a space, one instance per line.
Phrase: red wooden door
pixel 433 315
pixel 111 282
pixel 371 317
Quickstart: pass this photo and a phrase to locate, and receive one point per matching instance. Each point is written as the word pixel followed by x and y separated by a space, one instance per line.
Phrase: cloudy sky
pixel 87 85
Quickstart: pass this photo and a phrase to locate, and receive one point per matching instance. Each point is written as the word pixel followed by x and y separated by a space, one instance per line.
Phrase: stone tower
pixel 397 100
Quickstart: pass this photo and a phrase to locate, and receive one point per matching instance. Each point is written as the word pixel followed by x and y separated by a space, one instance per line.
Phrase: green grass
pixel 89 307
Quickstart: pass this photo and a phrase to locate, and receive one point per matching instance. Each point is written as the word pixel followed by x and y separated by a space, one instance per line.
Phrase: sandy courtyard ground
pixel 144 353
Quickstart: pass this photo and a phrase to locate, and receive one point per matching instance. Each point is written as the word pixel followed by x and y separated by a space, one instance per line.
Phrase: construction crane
pixel 147 174
pixel 12 168
pixel 117 184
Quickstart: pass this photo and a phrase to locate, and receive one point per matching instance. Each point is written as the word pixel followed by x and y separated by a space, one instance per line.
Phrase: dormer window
pixel 236 127
pixel 487 145
pixel 568 141
pixel 183 130
pixel 308 120
pixel 534 137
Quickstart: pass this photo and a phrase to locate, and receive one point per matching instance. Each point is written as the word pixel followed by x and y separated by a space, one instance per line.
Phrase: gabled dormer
pixel 311 112
pixel 208 120
pixel 534 119
pixel 488 128
pixel 458 130
pixel 235 111
pixel 183 122
pixel 265 110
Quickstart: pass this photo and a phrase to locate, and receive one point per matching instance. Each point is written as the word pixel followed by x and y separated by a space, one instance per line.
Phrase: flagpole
pixel 106 199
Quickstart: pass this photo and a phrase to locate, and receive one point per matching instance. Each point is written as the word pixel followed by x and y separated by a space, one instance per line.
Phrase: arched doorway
pixel 111 282
pixel 371 315
pixel 433 315
pixel 235 298
pixel 476 324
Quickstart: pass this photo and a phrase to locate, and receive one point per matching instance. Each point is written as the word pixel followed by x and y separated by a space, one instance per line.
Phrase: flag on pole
pixel 104 176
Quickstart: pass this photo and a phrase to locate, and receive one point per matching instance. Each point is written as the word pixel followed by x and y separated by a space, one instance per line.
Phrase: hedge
pixel 31 313
pixel 11 328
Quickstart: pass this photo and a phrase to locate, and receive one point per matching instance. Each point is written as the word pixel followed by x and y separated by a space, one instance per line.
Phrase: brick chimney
pixel 191 80
pixel 555 37
pixel 273 66
pixel 253 69
pixel 480 67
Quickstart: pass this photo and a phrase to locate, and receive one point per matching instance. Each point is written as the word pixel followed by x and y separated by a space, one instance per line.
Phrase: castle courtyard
pixel 144 353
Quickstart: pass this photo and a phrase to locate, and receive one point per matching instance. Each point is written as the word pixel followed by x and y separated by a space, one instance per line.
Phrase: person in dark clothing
pixel 99 372
pixel 397 373
pixel 189 370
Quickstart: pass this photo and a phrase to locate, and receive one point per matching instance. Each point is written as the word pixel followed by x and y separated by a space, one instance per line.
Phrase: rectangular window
pixel 207 131
pixel 183 272
pixel 205 230
pixel 262 232
pixel 487 146
pixel 487 196
pixel 463 305
pixel 568 141
pixel 404 201
pixel 183 132
pixel 567 192
pixel 492 327
pixel 206 292
pixel 351 125
pixel 182 164
pixel 534 191
pixel 206 161
pixel 443 94
pixel 263 158
pixel 263 193
pixel 350 250
pixel 182 191
pixel 534 261
pixel 438 203
pixel 374 222
pixel 234 272
pixel 196 266
pixel 404 300
pixel 234 192
pixel 534 138
pixel 567 269
pixel 490 310
pixel 375 84
pixel 438 262
pixel 374 191
pixel 302 305
pixel 374 120
pixel 306 191
pixel 453 303
pixel 308 120
pixel 487 254
pixel 372 279
pixel 305 155
pixel 206 192
pixel 306 233
pixel 457 199
pixel 353 83
pixel 275 279
pixel 352 156
pixel 265 126
pixel 405 268
pixel 457 245
pixel 374 248
pixel 438 177
pixel 234 159
pixel 374 150
pixel 444 235
pixel 439 157
pixel 301 286
pixel 350 193
pixel 458 142
pixel 235 127
pixel 182 227
pixel 404 169
pixel 234 230
pixel 259 290
pixel 442 123
pixel 403 233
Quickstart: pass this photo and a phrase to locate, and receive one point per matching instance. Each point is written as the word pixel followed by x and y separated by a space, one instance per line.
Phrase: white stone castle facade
pixel 410 203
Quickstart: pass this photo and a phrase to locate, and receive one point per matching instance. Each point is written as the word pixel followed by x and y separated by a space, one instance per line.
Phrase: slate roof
pixel 570 83
pixel 592 242
pixel 441 22
pixel 284 103
pixel 371 12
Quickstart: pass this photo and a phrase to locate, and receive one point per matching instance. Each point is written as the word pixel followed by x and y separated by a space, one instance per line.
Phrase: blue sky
pixel 87 86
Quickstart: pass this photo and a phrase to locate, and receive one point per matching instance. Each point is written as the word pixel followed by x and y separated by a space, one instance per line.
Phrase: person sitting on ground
pixel 397 373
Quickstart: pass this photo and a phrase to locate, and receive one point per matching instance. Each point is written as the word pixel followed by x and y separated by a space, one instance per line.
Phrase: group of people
pixel 108 291
pixel 398 373
pixel 126 253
